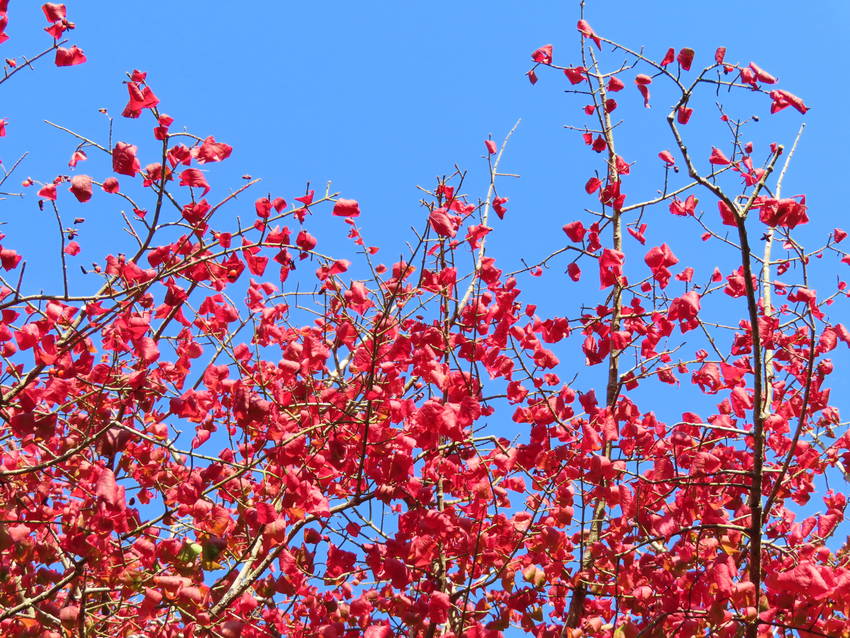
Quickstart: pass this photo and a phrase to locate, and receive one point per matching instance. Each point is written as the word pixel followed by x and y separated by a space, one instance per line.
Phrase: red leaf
pixel 346 208
pixel 685 308
pixel 77 157
pixel 212 151
pixel 378 631
pixel 644 91
pixel 140 99
pixel 124 160
pixel 27 336
pixel 717 157
pixel 659 259
pixel 543 55
pixel 110 185
pixel 685 58
pixel 762 75
pixel 438 607
pixel 575 231
pixel 81 187
pixel 48 191
pixel 610 267
pixel 688 207
pixel 18 533
pixel 727 215
pixel 263 207
pixel 786 212
pixel 107 489
pixel 585 29
pixel 194 178
pixel 442 223
pixel 499 206
pixel 54 12
pixel 615 84
pixel 306 199
pixel 638 233
pixel 599 144
pixel 643 81
pixel 305 241
pixel 782 99
pixel 575 74
pixel 9 258
pixel 147 349
pixel 475 233
pixel 491 146
pixel 69 57
pixel 667 158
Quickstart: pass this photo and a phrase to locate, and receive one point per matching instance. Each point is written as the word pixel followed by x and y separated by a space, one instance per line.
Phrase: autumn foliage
pixel 229 431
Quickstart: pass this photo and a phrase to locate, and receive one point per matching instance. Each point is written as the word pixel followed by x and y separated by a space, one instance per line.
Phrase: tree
pixel 234 433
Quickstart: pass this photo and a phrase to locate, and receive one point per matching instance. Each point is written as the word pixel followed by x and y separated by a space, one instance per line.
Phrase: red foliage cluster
pixel 237 434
